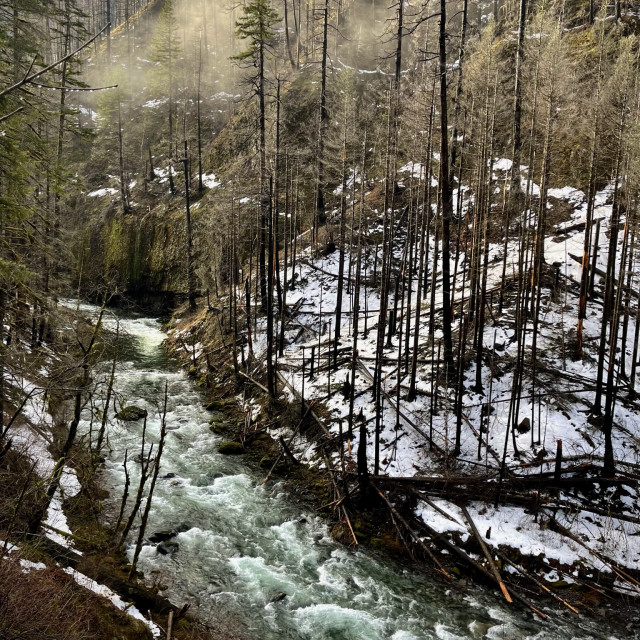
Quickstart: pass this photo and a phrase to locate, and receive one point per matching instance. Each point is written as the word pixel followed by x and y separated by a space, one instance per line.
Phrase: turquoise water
pixel 252 558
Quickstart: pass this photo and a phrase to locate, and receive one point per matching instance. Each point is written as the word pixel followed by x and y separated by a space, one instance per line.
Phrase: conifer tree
pixel 256 26
pixel 166 52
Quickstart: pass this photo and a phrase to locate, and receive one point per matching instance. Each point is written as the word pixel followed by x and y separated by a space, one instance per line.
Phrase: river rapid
pixel 251 556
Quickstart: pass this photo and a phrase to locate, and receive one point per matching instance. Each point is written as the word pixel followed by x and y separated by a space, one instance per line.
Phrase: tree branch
pixel 29 78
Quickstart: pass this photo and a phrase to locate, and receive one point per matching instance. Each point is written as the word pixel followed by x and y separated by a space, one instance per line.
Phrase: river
pixel 254 558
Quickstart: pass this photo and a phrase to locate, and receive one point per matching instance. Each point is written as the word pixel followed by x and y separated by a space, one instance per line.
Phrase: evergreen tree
pixel 166 54
pixel 256 26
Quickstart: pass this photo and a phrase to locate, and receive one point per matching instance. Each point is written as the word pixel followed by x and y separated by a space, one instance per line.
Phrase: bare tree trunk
pixel 109 19
pixel 591 194
pixel 607 311
pixel 198 106
pixel 423 260
pixel 264 194
pixel 191 285
pixel 446 196
pixel 156 471
pixel 515 188
pixel 343 212
pixel 324 116
pixel 124 187
pixel 356 294
pixel 125 493
pixel 145 464
pixel 286 32
pixel 107 401
pixel 456 113
pixel 83 387
pixel 172 186
pixel 270 368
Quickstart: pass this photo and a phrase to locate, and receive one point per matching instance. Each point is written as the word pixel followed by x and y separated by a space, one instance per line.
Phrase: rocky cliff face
pixel 141 257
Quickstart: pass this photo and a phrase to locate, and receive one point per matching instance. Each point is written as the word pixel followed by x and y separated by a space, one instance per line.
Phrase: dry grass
pixel 48 604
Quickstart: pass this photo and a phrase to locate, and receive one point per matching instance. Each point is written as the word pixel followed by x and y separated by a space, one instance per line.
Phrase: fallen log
pixel 288 452
pixel 435 481
pixel 433 505
pixel 340 500
pixel 573 481
pixel 143 598
pixel 393 406
pixel 487 555
pixel 478 567
pixel 533 579
pixel 317 420
pixel 623 575
pixel 250 379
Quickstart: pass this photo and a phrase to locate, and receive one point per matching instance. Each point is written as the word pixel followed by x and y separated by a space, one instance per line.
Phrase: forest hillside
pixel 396 245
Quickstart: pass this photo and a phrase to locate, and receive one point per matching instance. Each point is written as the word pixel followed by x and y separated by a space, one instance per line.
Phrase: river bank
pixel 203 347
pixel 250 559
pixel 256 559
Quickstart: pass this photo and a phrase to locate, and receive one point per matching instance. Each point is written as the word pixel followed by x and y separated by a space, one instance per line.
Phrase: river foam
pixel 248 554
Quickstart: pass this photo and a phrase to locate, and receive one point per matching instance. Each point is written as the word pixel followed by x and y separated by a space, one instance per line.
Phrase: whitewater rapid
pixel 251 558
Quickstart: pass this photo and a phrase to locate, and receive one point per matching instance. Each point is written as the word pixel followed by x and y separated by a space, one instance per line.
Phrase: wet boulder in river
pixel 168 548
pixel 276 597
pixel 162 536
pixel 131 413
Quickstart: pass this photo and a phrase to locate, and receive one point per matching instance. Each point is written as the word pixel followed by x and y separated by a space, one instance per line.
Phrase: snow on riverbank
pixel 564 388
pixel 114 598
pixel 33 439
pixel 554 409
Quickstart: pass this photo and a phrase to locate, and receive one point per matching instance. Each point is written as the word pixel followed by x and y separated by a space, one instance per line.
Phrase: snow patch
pixel 114 598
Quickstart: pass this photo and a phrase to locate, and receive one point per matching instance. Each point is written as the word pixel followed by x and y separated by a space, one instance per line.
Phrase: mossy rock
pixel 131 413
pixel 218 427
pixel 230 448
pixel 220 404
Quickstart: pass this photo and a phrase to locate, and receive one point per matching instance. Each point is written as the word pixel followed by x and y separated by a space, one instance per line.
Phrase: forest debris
pixel 433 505
pixel 533 579
pixel 413 534
pixel 254 381
pixel 487 555
pixel 623 575
pixel 478 567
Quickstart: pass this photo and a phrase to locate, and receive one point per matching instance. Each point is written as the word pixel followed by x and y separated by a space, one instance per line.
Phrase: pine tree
pixel 166 53
pixel 256 26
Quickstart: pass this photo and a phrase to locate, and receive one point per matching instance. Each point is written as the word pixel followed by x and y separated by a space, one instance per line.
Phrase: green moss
pixel 218 427
pixel 230 448
pixel 116 248
pixel 221 404
pixel 137 259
